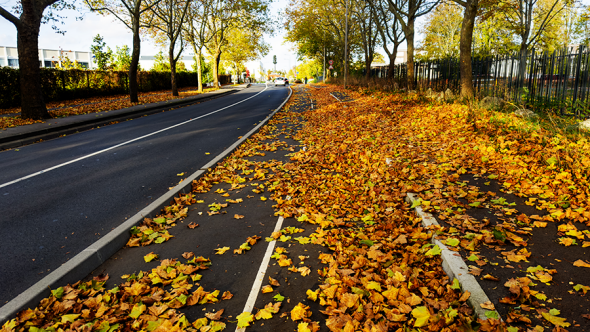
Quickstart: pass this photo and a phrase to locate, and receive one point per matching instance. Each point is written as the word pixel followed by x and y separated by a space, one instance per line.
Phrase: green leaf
pixel 554 312
pixel 475 204
pixel 279 298
pixel 160 220
pixel 541 296
pixel 552 161
pixel 359 291
pixel 473 258
pixel 58 293
pixel 303 218
pixel 512 329
pixel 216 326
pixel 492 314
pixel 154 324
pixel 159 240
pixel 453 242
pixel 367 242
pixel 436 250
pixel 69 318
pixel 137 310
pixel 456 284
pixel 416 203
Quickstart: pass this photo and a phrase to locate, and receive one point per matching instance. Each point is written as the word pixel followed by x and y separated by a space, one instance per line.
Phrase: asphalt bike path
pixel 224 228
pixel 50 217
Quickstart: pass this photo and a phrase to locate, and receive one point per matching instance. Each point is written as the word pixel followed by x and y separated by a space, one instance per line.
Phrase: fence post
pixel 577 73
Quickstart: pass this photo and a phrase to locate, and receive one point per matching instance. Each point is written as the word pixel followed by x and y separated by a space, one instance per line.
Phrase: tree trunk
pixel 173 72
pixel 133 84
pixel 32 103
pixel 465 49
pixel 199 71
pixel 410 62
pixel 391 69
pixel 216 58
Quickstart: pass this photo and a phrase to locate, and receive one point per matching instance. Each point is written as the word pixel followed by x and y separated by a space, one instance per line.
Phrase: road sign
pixel 330 67
pixel 331 62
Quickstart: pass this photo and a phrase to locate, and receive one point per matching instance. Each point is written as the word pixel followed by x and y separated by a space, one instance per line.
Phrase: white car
pixel 280 81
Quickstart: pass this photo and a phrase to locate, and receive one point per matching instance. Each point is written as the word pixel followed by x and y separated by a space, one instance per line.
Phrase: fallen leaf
pixel 221 251
pixel 214 316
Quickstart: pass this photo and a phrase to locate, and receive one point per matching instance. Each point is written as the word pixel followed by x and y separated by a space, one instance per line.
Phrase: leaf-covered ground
pixel 93 105
pixel 351 255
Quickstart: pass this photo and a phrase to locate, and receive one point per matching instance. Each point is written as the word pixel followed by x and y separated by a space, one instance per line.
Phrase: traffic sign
pixel 331 62
pixel 330 67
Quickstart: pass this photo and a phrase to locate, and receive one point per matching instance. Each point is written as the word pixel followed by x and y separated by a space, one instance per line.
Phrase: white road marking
pixel 260 274
pixel 121 144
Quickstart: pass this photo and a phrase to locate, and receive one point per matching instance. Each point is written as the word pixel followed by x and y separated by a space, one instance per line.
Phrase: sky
pixel 79 35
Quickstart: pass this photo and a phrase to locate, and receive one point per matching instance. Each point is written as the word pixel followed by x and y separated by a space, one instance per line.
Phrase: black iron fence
pixel 74 84
pixel 558 81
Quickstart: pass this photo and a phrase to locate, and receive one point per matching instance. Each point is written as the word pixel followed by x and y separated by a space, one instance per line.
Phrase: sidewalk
pixel 27 134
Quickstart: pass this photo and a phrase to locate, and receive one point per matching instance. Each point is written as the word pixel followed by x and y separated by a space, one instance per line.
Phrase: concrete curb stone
pixel 97 253
pixel 453 264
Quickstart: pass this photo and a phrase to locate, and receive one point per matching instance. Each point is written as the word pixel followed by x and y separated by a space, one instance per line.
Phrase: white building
pixel 47 58
pixel 146 62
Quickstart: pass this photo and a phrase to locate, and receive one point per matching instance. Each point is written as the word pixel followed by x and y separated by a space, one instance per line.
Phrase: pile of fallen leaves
pixel 350 180
pixel 93 105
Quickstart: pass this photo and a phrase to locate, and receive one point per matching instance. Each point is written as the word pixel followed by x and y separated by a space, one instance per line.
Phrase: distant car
pixel 281 81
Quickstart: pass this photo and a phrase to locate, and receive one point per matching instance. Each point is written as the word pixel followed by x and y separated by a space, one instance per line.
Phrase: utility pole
pixel 324 78
pixel 274 60
pixel 345 43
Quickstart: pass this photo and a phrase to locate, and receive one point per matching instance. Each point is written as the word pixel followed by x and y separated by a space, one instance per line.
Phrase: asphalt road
pixel 50 217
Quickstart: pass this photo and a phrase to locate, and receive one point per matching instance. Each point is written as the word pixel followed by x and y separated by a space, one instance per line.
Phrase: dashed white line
pixel 260 274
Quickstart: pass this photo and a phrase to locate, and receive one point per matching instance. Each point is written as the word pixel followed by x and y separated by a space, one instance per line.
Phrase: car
pixel 281 81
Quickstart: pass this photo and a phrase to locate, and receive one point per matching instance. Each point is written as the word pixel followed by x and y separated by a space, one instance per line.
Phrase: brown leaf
pixel 487 305
pixel 237 216
pixel 581 263
pixel 490 277
pixel 227 295
pixel 465 296
pixel 188 255
pixel 214 316
pixel 192 225
pixel 273 282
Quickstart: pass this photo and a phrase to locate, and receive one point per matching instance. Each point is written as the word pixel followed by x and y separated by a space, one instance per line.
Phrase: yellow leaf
pixel 422 316
pixel 557 321
pixel 244 319
pixel 221 251
pixel 302 327
pixel 311 295
pixel 267 289
pixel 581 263
pixel 262 198
pixel 150 257
pixel 299 312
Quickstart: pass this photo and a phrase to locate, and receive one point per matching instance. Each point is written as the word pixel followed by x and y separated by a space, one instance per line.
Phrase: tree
pixel 122 59
pixel 407 11
pixel 197 33
pixel 31 13
pixel 244 45
pixel 169 16
pixel 390 30
pixel 226 16
pixel 442 32
pixel 101 56
pixel 582 26
pixel 130 13
pixel 369 34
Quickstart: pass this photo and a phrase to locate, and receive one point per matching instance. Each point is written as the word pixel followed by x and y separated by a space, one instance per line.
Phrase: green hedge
pixel 74 84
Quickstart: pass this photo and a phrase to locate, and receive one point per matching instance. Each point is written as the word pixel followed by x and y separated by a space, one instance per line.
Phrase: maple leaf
pixel 192 225
pixel 227 295
pixel 422 316
pixel 300 312
pixel 244 319
pixel 221 251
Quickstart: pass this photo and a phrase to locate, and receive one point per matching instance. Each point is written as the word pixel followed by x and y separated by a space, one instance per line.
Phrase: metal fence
pixel 557 81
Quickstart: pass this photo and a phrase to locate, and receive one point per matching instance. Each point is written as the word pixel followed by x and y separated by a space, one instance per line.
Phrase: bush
pixel 73 84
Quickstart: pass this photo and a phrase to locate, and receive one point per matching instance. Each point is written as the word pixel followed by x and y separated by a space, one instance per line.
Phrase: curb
pixel 102 118
pixel 97 253
pixel 454 266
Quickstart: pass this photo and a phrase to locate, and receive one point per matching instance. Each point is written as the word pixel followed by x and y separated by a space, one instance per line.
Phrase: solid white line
pixel 260 274
pixel 121 144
